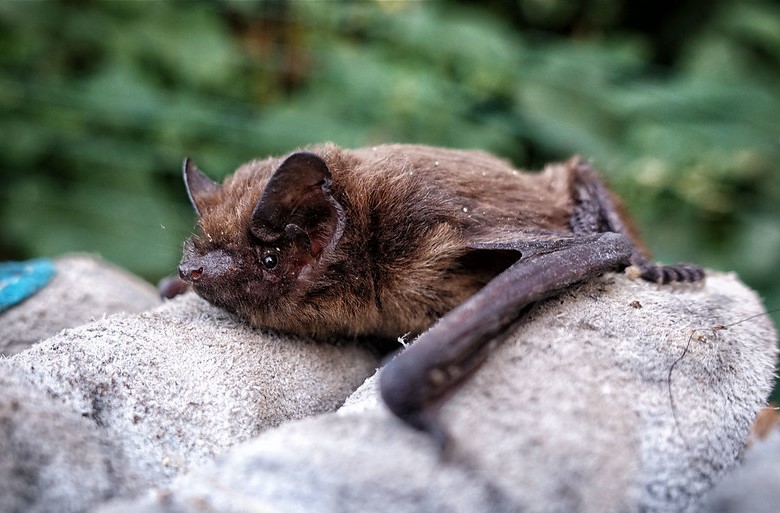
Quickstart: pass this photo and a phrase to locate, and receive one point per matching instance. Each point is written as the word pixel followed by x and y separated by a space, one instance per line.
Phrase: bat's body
pixel 386 240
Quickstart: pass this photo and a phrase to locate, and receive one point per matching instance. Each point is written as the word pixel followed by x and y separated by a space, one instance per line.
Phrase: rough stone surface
pixel 753 487
pixel 576 412
pixel 85 288
pixel 51 458
pixel 174 387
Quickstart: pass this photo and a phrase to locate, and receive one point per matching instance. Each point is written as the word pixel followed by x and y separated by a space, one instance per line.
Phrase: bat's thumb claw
pixel 428 423
pixel 415 409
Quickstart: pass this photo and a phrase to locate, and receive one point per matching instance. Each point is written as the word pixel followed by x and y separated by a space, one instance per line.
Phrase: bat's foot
pixel 664 274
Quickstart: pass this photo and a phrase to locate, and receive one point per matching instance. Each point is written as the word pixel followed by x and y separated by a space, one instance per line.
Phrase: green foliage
pixel 100 100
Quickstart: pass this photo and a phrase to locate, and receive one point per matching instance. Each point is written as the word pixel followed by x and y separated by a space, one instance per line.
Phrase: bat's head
pixel 264 235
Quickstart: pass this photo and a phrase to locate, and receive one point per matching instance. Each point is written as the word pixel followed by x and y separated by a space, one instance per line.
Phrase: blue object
pixel 20 280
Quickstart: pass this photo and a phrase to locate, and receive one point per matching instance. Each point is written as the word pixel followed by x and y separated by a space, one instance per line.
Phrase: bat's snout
pixel 196 268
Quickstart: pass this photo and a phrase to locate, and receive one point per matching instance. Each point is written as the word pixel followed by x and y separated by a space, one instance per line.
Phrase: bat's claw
pixel 172 286
pixel 412 403
pixel 428 422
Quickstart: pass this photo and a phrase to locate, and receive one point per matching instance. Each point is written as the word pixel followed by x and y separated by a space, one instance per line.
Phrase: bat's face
pixel 262 235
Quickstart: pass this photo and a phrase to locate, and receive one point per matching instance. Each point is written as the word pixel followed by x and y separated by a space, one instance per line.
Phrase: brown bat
pixel 385 241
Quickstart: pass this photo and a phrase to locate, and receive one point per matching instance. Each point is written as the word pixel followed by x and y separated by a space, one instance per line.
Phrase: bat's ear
pixel 297 200
pixel 199 186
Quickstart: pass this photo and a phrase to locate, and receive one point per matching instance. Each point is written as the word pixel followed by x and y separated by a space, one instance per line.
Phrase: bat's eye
pixel 269 261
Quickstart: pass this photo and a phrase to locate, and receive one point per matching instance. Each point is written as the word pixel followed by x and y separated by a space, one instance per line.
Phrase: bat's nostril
pixel 190 275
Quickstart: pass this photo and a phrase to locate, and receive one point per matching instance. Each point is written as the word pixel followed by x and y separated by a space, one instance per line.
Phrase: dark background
pixel 677 102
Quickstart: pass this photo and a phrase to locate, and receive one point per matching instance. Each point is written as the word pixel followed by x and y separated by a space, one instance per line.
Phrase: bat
pixel 398 240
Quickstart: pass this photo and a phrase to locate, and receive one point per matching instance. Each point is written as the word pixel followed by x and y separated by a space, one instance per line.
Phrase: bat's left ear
pixel 199 186
pixel 297 199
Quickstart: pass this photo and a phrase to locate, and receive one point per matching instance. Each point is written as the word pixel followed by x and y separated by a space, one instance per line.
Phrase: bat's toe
pixel 677 273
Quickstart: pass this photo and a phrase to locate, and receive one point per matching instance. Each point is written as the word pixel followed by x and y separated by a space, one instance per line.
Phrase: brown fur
pixel 413 216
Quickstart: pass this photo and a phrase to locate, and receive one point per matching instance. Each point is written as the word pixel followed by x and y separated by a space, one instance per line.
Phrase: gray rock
pixel 754 486
pixel 575 413
pixel 52 458
pixel 85 288
pixel 174 387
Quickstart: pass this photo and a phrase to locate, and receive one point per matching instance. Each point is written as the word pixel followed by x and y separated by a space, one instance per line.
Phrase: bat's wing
pixel 525 243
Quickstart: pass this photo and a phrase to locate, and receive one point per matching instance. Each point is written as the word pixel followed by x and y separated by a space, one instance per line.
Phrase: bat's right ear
pixel 297 200
pixel 199 186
